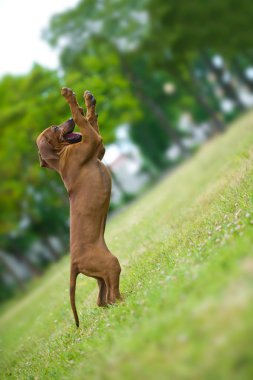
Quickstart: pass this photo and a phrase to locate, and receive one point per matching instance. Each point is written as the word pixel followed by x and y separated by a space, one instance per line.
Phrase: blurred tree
pixel 242 66
pixel 28 208
pixel 149 42
pixel 102 45
pixel 180 34
pixel 187 30
pixel 90 60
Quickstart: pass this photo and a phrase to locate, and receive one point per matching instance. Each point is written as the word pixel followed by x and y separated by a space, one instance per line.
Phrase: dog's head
pixel 53 139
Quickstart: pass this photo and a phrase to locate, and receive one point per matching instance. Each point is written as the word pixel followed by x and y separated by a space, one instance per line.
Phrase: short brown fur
pixel 88 183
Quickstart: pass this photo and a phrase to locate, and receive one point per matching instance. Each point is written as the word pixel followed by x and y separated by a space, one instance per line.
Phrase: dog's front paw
pixel 68 94
pixel 89 99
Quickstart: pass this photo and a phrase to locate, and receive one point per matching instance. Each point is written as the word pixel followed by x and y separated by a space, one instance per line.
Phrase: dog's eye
pixel 54 128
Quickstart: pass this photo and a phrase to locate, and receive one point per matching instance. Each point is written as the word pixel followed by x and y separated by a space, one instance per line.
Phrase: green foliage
pixel 137 47
pixel 23 191
pixel 99 71
pixel 193 27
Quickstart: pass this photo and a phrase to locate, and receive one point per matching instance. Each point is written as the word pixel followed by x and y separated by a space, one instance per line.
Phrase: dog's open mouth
pixel 73 137
pixel 68 134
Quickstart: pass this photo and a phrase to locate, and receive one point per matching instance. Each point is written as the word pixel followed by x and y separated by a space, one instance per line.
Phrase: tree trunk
pixel 124 193
pixel 35 271
pixel 11 272
pixel 195 91
pixel 228 87
pixel 54 253
pixel 152 105
pixel 241 74
pixel 22 258
pixel 198 95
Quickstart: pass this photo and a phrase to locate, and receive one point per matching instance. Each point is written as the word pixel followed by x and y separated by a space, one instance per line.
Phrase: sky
pixel 21 26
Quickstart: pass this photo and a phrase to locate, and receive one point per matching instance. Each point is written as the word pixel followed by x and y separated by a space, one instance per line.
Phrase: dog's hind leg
pixel 73 276
pixel 112 282
pixel 101 301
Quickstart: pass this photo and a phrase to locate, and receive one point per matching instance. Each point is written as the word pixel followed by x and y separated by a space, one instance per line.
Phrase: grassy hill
pixel 186 250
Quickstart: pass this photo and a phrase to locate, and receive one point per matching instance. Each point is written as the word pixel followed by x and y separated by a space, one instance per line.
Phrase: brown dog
pixel 76 157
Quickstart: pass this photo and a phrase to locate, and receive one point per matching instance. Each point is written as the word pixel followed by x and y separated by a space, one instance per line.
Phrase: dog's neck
pixel 56 164
pixel 53 164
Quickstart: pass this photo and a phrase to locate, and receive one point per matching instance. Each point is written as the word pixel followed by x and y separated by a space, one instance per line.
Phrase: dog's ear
pixel 46 152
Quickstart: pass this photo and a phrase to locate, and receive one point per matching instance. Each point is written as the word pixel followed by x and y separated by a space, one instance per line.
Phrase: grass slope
pixel 187 258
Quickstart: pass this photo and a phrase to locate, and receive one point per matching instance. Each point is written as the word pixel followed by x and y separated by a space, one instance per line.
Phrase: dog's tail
pixel 73 276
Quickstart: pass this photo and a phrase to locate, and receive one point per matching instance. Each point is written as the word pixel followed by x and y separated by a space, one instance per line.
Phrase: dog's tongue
pixel 70 135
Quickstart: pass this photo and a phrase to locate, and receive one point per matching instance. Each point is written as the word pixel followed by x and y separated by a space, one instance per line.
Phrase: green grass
pixel 186 250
